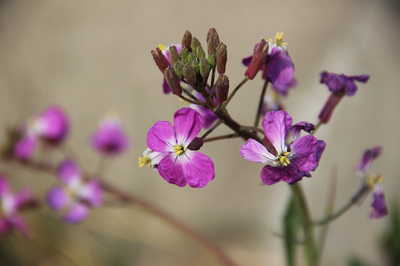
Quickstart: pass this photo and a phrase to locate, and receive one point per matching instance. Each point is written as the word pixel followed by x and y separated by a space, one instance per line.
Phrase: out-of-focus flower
pixel 10 205
pixel 368 157
pixel 379 205
pixel 285 162
pixel 75 195
pixel 339 85
pixel 283 89
pixel 110 138
pixel 181 166
pixel 51 126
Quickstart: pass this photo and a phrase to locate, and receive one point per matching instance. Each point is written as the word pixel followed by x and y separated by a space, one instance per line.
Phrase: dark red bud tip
pixel 173 81
pixel 160 60
pixel 187 40
pixel 221 57
pixel 259 57
pixel 196 144
pixel 329 107
pixel 270 147
pixel 222 88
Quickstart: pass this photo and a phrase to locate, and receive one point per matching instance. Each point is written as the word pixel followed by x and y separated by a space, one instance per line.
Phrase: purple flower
pixel 285 162
pixel 75 195
pixel 10 205
pixel 110 138
pixel 379 205
pixel 165 51
pixel 207 116
pixel 179 165
pixel 339 85
pixel 151 158
pixel 283 89
pixel 278 67
pixel 51 126
pixel 368 157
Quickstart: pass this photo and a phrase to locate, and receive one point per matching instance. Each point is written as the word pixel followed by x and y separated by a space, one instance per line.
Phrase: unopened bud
pixel 200 53
pixel 189 74
pixel 222 57
pixel 184 53
pixel 187 40
pixel 173 54
pixel 195 44
pixel 212 44
pixel 222 88
pixel 173 81
pixel 191 57
pixel 259 57
pixel 196 144
pixel 178 70
pixel 204 67
pixel 211 60
pixel 212 32
pixel 160 59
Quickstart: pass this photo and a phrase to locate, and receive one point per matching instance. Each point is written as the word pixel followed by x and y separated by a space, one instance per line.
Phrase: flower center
pixel 179 149
pixel 278 39
pixel 283 159
pixel 144 160
pixel 373 179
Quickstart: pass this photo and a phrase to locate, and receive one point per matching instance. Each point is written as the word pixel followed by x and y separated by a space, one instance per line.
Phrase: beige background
pixel 93 56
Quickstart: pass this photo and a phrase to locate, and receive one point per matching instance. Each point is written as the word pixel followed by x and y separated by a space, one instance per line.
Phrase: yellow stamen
pixel 283 160
pixel 162 47
pixel 373 179
pixel 184 102
pixel 144 160
pixel 179 150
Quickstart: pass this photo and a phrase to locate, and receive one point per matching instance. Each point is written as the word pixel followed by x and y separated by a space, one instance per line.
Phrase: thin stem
pixel 191 101
pixel 260 104
pixel 188 93
pixel 212 81
pixel 309 245
pixel 365 189
pixel 229 136
pixel 316 127
pixel 216 124
pixel 150 208
pixel 233 93
pixel 253 129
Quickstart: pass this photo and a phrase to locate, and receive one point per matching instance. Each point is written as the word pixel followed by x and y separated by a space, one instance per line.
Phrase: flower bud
pixel 212 32
pixel 222 88
pixel 222 57
pixel 191 57
pixel 259 57
pixel 211 60
pixel 200 53
pixel 178 69
pixel 184 53
pixel 196 144
pixel 212 41
pixel 189 74
pixel 173 81
pixel 173 54
pixel 187 40
pixel 160 59
pixel 204 67
pixel 195 44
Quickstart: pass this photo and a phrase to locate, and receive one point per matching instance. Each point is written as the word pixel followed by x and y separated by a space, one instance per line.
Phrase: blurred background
pixel 91 56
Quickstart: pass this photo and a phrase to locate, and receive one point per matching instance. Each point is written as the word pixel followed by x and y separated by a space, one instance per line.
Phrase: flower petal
pixel 304 153
pixel 161 137
pixel 57 198
pixel 4 186
pixel 276 125
pixel 197 168
pixel 255 152
pixel 379 204
pixel 52 124
pixel 68 172
pixel 76 214
pixel 19 223
pixel 92 193
pixel 165 86
pixel 25 148
pixel 296 129
pixel 368 157
pixel 168 170
pixel 280 67
pixel 187 125
pixel 271 175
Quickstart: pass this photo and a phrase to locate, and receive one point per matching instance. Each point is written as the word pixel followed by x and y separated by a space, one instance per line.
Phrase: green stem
pixel 191 101
pixel 189 94
pixel 309 242
pixel 260 104
pixel 216 124
pixel 233 93
pixel 229 136
pixel 253 129
pixel 316 127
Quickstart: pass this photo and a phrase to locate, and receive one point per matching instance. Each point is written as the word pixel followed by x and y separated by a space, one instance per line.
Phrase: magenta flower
pixel 207 116
pixel 379 205
pixel 51 126
pixel 10 205
pixel 368 157
pixel 278 67
pixel 151 158
pixel 179 165
pixel 75 195
pixel 110 138
pixel 339 85
pixel 165 51
pixel 285 162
